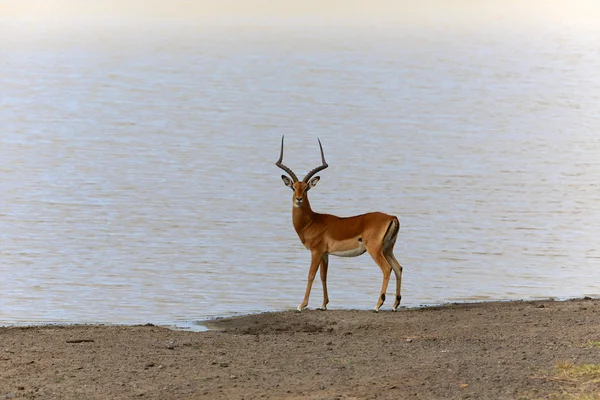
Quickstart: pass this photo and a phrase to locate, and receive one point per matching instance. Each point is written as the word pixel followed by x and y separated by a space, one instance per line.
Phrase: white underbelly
pixel 352 252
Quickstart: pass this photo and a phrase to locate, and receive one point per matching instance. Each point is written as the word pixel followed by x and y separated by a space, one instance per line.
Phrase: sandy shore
pixel 510 350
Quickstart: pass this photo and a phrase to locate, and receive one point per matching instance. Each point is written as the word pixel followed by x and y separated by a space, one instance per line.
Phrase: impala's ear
pixel 288 182
pixel 313 182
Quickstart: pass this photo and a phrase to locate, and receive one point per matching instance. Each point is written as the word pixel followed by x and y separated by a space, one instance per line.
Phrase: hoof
pixel 376 310
pixel 300 309
pixel 322 308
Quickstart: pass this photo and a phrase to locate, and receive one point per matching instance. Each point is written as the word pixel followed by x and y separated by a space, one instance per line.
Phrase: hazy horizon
pixel 581 13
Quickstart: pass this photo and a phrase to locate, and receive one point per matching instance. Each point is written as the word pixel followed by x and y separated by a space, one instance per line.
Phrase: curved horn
pixel 283 167
pixel 321 168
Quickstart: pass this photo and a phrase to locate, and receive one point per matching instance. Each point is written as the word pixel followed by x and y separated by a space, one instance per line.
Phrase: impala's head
pixel 300 188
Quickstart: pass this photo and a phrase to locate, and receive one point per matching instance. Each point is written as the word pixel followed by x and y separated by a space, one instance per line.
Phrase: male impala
pixel 325 234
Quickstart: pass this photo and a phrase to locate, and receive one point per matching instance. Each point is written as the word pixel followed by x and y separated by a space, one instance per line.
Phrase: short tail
pixel 392 232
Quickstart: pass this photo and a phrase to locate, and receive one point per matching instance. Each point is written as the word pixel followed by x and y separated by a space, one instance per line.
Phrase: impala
pixel 325 234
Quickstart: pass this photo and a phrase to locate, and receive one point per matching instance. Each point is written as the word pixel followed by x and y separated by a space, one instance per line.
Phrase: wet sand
pixel 499 350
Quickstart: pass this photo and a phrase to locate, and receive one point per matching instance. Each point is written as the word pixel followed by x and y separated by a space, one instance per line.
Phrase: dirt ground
pixel 506 350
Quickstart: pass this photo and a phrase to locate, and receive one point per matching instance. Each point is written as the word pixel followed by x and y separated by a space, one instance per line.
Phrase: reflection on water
pixel 138 181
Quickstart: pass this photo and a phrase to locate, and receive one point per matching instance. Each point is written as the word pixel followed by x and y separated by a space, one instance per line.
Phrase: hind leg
pixel 398 272
pixel 388 250
pixel 380 259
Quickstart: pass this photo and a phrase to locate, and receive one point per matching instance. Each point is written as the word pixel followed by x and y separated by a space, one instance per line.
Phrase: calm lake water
pixel 137 181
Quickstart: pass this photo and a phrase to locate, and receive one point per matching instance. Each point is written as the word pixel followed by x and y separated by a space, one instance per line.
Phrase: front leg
pixel 314 266
pixel 323 271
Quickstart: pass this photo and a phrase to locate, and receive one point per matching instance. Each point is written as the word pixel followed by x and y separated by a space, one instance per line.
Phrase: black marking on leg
pixel 382 297
pixel 398 298
pixel 360 239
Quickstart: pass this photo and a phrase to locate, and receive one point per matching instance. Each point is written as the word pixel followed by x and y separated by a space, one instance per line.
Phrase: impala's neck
pixel 302 216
